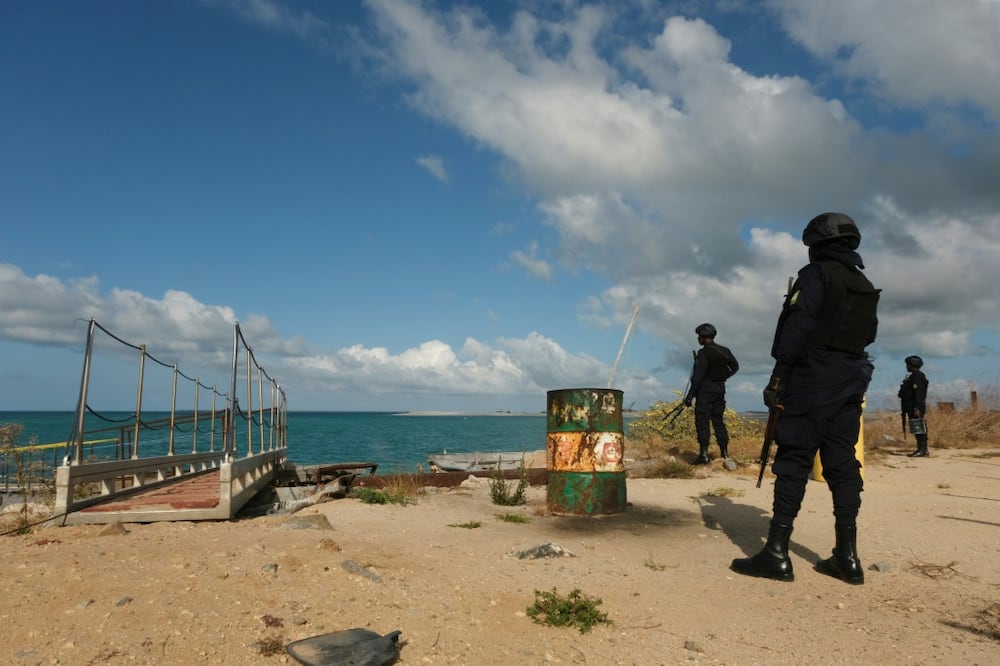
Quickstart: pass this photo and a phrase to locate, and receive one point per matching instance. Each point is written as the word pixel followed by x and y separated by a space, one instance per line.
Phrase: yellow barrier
pixel 859 452
pixel 56 445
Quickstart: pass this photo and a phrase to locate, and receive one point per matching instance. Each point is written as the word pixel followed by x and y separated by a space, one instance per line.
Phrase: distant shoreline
pixel 448 413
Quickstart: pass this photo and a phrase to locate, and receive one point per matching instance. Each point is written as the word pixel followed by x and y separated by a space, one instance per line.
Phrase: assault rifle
pixel 770 430
pixel 676 411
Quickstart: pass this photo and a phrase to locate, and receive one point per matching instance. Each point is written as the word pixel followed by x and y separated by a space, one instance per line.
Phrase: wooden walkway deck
pixel 197 492
pixel 164 488
pixel 192 497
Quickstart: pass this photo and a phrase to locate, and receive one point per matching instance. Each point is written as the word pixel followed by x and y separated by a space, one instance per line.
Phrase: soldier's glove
pixel 772 393
pixel 687 402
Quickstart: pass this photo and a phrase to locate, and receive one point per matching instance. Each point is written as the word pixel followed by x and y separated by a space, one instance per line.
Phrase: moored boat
pixel 485 461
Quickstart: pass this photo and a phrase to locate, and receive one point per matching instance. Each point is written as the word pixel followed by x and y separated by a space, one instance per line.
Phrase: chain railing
pixel 144 447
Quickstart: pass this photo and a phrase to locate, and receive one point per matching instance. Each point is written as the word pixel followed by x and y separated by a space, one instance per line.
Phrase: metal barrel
pixel 585 447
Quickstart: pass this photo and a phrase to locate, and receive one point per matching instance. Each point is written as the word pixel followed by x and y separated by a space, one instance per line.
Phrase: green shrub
pixel 575 610
pixel 373 496
pixel 513 518
pixel 501 492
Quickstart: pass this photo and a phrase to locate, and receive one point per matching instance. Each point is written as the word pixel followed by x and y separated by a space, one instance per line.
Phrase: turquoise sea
pixel 397 442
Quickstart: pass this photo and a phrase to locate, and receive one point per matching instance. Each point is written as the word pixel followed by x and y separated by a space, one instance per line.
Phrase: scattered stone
pixel 693 647
pixel 124 601
pixel 730 464
pixel 113 529
pixel 544 551
pixel 271 568
pixel 474 482
pixel 315 521
pixel 879 566
pixel 354 567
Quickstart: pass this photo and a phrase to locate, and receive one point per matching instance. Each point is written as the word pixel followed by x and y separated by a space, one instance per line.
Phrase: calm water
pixel 398 443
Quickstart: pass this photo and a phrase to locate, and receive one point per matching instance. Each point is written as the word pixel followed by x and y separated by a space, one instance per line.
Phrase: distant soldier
pixel 713 365
pixel 913 400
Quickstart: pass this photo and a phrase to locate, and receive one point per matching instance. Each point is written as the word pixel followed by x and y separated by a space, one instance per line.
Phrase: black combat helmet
pixel 706 331
pixel 831 226
pixel 914 362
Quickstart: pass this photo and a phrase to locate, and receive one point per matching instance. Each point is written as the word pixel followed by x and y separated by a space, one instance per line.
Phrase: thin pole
pixel 76 436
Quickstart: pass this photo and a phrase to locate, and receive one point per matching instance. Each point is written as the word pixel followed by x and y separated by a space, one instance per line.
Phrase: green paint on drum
pixel 587 494
pixel 585 446
pixel 587 409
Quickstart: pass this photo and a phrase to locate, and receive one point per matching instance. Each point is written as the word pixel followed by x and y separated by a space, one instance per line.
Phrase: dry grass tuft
pixel 988 621
pixel 404 485
pixel 932 570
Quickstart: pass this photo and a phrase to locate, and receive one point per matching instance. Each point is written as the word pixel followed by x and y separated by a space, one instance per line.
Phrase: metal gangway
pixel 194 461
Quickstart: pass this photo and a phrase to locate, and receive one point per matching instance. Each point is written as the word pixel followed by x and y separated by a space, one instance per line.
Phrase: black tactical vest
pixel 718 362
pixel 847 321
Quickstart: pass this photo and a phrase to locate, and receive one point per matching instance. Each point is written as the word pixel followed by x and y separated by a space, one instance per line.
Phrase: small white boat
pixel 487 461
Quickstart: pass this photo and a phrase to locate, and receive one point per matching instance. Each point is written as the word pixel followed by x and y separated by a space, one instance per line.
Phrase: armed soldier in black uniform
pixel 913 400
pixel 820 376
pixel 713 365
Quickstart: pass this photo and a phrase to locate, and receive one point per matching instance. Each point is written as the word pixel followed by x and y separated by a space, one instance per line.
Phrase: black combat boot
pixel 845 563
pixel 702 458
pixel 724 451
pixel 921 451
pixel 772 561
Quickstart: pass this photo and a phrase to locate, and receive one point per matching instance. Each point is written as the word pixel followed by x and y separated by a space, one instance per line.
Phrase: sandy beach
pixel 237 592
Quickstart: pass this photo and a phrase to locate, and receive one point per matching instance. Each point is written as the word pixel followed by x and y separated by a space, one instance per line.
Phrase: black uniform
pixel 818 384
pixel 713 365
pixel 819 349
pixel 913 401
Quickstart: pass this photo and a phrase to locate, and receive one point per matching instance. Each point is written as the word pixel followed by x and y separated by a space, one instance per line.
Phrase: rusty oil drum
pixel 585 446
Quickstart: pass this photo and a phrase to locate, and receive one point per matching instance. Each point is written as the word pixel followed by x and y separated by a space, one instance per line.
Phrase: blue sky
pixel 457 206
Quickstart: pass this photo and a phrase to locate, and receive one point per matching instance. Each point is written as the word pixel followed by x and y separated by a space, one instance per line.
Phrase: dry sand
pixel 216 593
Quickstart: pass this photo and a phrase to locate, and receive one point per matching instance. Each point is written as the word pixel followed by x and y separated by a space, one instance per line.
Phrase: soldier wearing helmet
pixel 713 365
pixel 821 372
pixel 913 400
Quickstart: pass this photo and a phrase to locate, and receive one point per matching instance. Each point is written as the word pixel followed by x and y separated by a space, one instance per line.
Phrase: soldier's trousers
pixel 709 408
pixel 832 430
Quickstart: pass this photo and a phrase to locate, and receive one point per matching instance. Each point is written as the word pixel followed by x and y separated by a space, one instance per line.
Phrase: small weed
pixel 722 491
pixel 575 610
pixel 268 647
pixel 988 621
pixel 471 525
pixel 500 490
pixel 373 496
pixel 650 564
pixel 513 518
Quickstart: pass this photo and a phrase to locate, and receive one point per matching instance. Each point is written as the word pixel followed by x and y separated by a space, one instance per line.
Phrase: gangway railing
pixel 151 449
